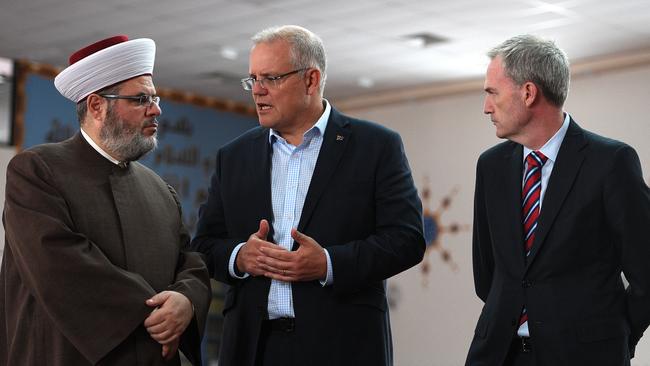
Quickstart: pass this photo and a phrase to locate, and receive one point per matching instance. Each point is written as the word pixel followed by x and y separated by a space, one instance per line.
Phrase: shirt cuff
pixel 330 273
pixel 231 263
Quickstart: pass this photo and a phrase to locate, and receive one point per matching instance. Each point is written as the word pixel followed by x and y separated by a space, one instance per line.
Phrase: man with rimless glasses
pixel 96 269
pixel 307 216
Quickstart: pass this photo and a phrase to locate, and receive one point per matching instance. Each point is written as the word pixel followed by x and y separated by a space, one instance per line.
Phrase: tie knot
pixel 536 158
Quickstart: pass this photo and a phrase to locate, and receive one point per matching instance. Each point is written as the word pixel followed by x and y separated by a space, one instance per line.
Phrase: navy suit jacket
pixel 361 205
pixel 594 224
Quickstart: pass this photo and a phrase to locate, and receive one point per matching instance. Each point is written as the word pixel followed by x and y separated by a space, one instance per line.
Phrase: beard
pixel 126 143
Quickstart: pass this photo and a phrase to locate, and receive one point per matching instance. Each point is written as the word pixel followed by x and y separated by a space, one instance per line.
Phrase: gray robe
pixel 87 242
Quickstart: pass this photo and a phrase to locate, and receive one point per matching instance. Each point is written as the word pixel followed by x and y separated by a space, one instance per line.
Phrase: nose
pixel 154 110
pixel 487 105
pixel 258 89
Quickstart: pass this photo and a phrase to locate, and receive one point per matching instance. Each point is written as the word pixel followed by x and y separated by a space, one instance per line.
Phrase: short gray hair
pixel 530 58
pixel 307 49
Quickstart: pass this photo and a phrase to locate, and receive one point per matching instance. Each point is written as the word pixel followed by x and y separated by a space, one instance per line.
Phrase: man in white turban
pixel 96 269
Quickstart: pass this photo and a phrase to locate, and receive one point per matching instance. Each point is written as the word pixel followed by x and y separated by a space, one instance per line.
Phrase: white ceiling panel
pixel 364 38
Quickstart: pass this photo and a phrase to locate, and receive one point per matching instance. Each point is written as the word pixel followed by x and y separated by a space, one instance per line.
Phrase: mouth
pixel 153 126
pixel 261 107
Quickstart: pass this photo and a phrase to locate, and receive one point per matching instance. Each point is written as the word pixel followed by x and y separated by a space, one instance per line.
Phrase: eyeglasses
pixel 267 81
pixel 143 100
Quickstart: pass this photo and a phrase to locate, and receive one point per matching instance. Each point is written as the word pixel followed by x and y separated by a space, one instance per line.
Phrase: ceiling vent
pixel 423 39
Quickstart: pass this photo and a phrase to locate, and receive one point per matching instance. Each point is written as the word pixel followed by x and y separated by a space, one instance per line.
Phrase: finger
pixel 154 318
pixel 164 337
pixel 171 348
pixel 269 245
pixel 282 276
pixel 300 237
pixel 275 269
pixel 158 299
pixel 157 329
pixel 278 253
pixel 169 339
pixel 263 231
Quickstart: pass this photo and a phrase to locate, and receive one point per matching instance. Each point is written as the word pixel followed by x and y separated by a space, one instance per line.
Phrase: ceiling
pixel 365 39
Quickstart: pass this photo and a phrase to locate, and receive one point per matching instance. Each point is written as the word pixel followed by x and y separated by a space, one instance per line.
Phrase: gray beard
pixel 123 142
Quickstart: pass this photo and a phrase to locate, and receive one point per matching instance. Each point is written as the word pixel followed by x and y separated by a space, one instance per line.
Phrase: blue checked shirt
pixel 291 170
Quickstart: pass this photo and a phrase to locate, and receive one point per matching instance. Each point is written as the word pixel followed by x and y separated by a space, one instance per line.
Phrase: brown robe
pixel 87 242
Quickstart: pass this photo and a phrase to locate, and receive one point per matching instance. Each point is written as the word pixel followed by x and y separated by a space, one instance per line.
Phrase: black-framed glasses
pixel 144 100
pixel 267 81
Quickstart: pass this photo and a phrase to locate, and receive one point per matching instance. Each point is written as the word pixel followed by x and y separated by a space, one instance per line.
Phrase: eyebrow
pixel 264 74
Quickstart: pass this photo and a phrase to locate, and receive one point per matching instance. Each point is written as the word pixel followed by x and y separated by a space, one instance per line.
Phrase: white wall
pixel 434 315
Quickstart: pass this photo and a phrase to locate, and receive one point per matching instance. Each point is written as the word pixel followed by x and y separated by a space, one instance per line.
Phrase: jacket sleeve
pixel 627 206
pixel 67 274
pixel 193 281
pixel 482 258
pixel 212 238
pixel 398 241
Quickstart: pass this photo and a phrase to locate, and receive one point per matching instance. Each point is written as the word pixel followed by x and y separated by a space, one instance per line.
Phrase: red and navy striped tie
pixel 530 196
pixel 530 202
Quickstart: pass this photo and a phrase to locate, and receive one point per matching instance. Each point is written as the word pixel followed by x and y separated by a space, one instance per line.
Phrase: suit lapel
pixel 335 140
pixel 565 170
pixel 512 205
pixel 262 152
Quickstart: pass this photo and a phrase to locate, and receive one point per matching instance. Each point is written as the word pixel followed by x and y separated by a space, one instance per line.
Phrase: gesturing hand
pixel 247 258
pixel 305 264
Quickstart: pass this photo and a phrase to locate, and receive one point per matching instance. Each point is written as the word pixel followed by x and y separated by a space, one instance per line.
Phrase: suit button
pixel 513 322
pixel 526 284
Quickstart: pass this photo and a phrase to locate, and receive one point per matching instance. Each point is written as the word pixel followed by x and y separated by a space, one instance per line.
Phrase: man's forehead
pixel 276 53
pixel 496 71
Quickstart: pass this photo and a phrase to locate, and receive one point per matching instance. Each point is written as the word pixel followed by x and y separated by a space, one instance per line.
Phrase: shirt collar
pixel 319 126
pixel 552 146
pixel 98 149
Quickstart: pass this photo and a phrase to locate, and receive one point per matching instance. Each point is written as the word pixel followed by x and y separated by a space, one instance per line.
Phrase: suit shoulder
pixel 368 126
pixel 604 143
pixel 244 140
pixel 367 131
pixel 498 151
pixel 52 148
pixel 49 153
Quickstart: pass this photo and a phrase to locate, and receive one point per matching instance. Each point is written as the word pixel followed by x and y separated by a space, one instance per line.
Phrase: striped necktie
pixel 530 196
pixel 530 202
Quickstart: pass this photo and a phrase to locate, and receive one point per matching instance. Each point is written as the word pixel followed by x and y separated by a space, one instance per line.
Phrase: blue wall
pixel 188 138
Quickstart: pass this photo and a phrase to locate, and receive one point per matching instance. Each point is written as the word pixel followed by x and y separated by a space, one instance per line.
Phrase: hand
pixel 169 350
pixel 305 264
pixel 172 314
pixel 247 257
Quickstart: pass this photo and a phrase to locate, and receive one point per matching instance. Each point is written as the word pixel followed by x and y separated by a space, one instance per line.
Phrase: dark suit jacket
pixel 87 243
pixel 361 205
pixel 594 223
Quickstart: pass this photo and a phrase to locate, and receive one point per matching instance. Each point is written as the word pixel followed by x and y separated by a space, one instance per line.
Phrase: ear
pixel 530 93
pixel 97 107
pixel 312 78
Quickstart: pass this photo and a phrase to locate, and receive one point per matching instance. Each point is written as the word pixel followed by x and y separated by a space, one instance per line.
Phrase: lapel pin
pixel 339 138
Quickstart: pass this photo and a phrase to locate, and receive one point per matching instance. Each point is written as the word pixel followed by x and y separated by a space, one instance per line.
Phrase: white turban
pixel 105 63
